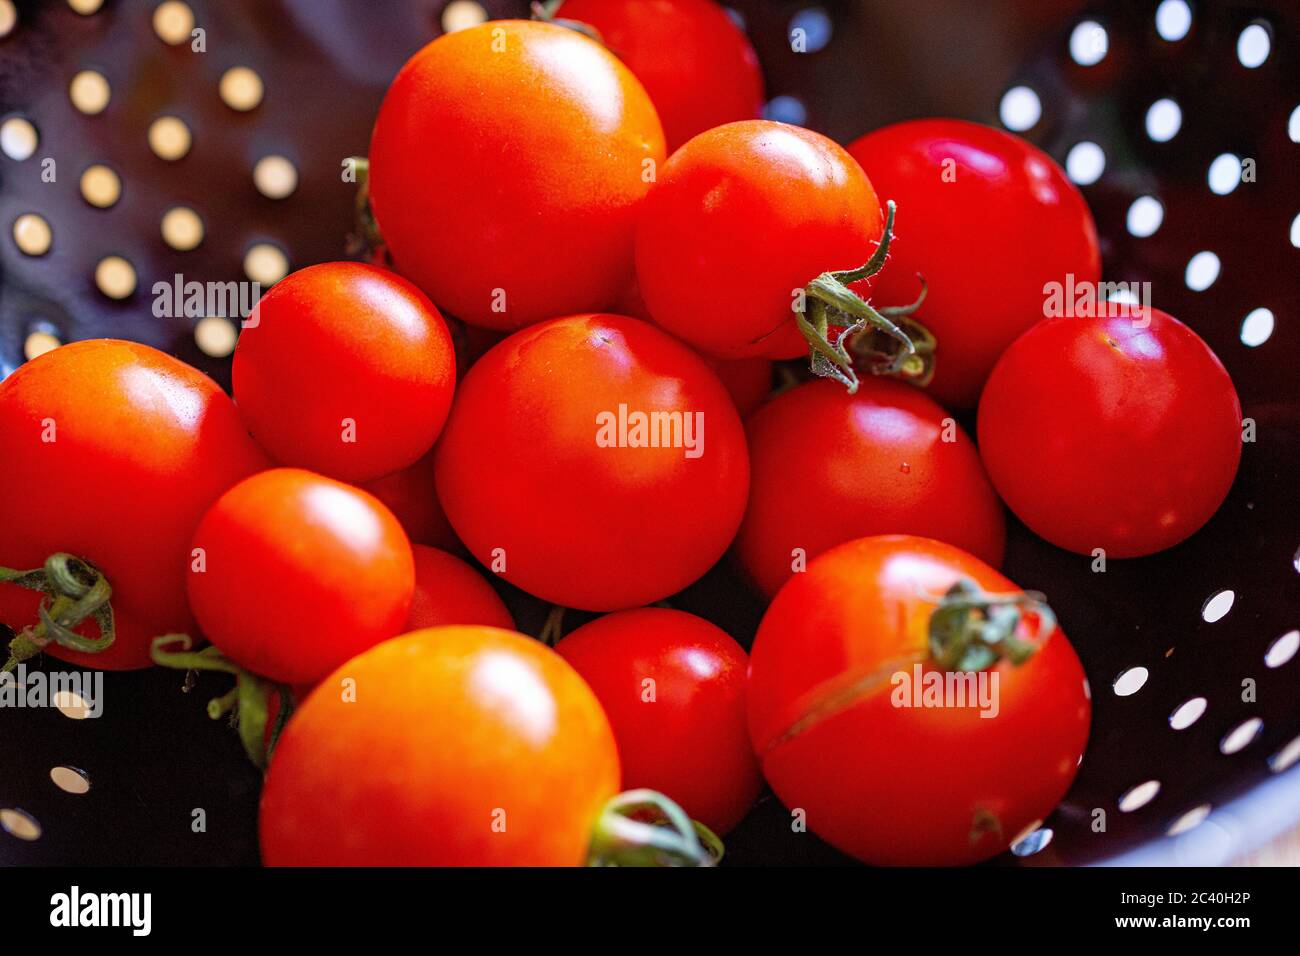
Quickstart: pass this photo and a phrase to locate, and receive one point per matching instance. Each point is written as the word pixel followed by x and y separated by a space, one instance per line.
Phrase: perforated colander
pixel 134 149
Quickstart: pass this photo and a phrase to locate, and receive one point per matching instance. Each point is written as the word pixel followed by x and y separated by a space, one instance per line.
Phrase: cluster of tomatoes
pixel 629 250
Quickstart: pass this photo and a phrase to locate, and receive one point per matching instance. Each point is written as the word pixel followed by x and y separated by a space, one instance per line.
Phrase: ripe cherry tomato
pixel 410 495
pixel 297 573
pixel 547 471
pixel 742 218
pixel 748 381
pixel 673 687
pixel 827 467
pixel 346 369
pixel 460 746
pixel 449 591
pixel 988 220
pixel 112 451
pixel 695 63
pixel 840 720
pixel 508 164
pixel 1121 433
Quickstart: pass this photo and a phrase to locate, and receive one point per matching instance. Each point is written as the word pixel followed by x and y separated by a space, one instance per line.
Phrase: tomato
pixel 293 573
pixel 742 218
pixel 410 495
pixel 748 381
pixel 112 451
pixel 673 687
pixel 467 746
pixel 838 716
pixel 507 166
pixel 346 369
pixel 1117 432
pixel 988 220
pixel 695 63
pixel 449 591
pixel 548 473
pixel 827 467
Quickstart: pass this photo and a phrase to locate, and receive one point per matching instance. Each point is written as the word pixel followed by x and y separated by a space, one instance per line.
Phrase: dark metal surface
pixel 154 757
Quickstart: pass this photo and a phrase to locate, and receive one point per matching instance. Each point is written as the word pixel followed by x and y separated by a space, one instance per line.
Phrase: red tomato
pixel 410 495
pixel 833 711
pixel 508 164
pixel 1120 433
pixel 449 591
pixel 988 219
pixel 827 467
pixel 345 369
pixel 112 451
pixel 546 471
pixel 748 381
pixel 298 573
pixel 743 217
pixel 695 63
pixel 461 746
pixel 673 687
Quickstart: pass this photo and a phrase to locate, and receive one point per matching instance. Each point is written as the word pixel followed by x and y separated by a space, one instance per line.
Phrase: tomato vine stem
pixel 645 828
pixel 72 590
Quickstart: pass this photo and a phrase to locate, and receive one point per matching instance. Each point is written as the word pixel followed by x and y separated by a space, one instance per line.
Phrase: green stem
pixel 645 828
pixel 553 627
pixel 72 590
pixel 972 630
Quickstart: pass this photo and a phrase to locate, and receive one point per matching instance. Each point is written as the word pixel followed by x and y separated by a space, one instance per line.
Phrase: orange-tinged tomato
pixel 449 591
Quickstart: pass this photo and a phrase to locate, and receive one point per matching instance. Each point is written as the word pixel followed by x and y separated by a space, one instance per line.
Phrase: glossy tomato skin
pixel 748 381
pixel 464 746
pixel 507 167
pixel 346 369
pixel 988 220
pixel 449 591
pixel 297 573
pixel 741 218
pixel 898 785
pixel 112 451
pixel 695 63
pixel 1121 433
pixel 410 494
pixel 534 471
pixel 685 734
pixel 827 467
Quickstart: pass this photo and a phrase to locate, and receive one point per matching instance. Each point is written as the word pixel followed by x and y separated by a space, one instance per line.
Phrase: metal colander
pixel 129 155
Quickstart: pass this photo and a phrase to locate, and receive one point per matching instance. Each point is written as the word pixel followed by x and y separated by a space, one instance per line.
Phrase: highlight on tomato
pixel 1118 431
pixel 460 746
pixel 827 467
pixel 673 687
pixel 595 462
pixel 507 167
pixel 914 704
pixel 111 453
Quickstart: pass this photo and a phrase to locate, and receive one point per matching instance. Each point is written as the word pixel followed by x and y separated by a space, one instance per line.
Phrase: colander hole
pixel 1138 797
pixel 786 109
pixel 265 264
pixel 1089 43
pixel 1130 681
pixel 71 705
pixel 182 229
pixel 32 234
pixel 215 336
pixel 8 17
pixel 1253 46
pixel 38 343
pixel 173 21
pixel 737 18
pixel 1189 820
pixel 1295 231
pixel 1187 713
pixel 1293 126
pixel 1020 109
pixel 1164 120
pixel 1286 757
pixel 115 277
pixel 1202 271
pixel 816 26
pixel 85 7
pixel 70 779
pixel 1085 163
pixel 100 186
pixel 1225 174
pixel 1145 216
pixel 241 88
pixel 20 824
pixel 275 177
pixel 18 138
pixel 1241 736
pixel 1257 327
pixel 1034 840
pixel 90 92
pixel 1283 649
pixel 1173 20
pixel 169 138
pixel 461 15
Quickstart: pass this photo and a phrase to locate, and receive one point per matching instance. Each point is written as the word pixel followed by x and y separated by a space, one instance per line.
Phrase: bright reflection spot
pixel 1020 109
pixel 1202 270
pixel 1145 216
pixel 1173 19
